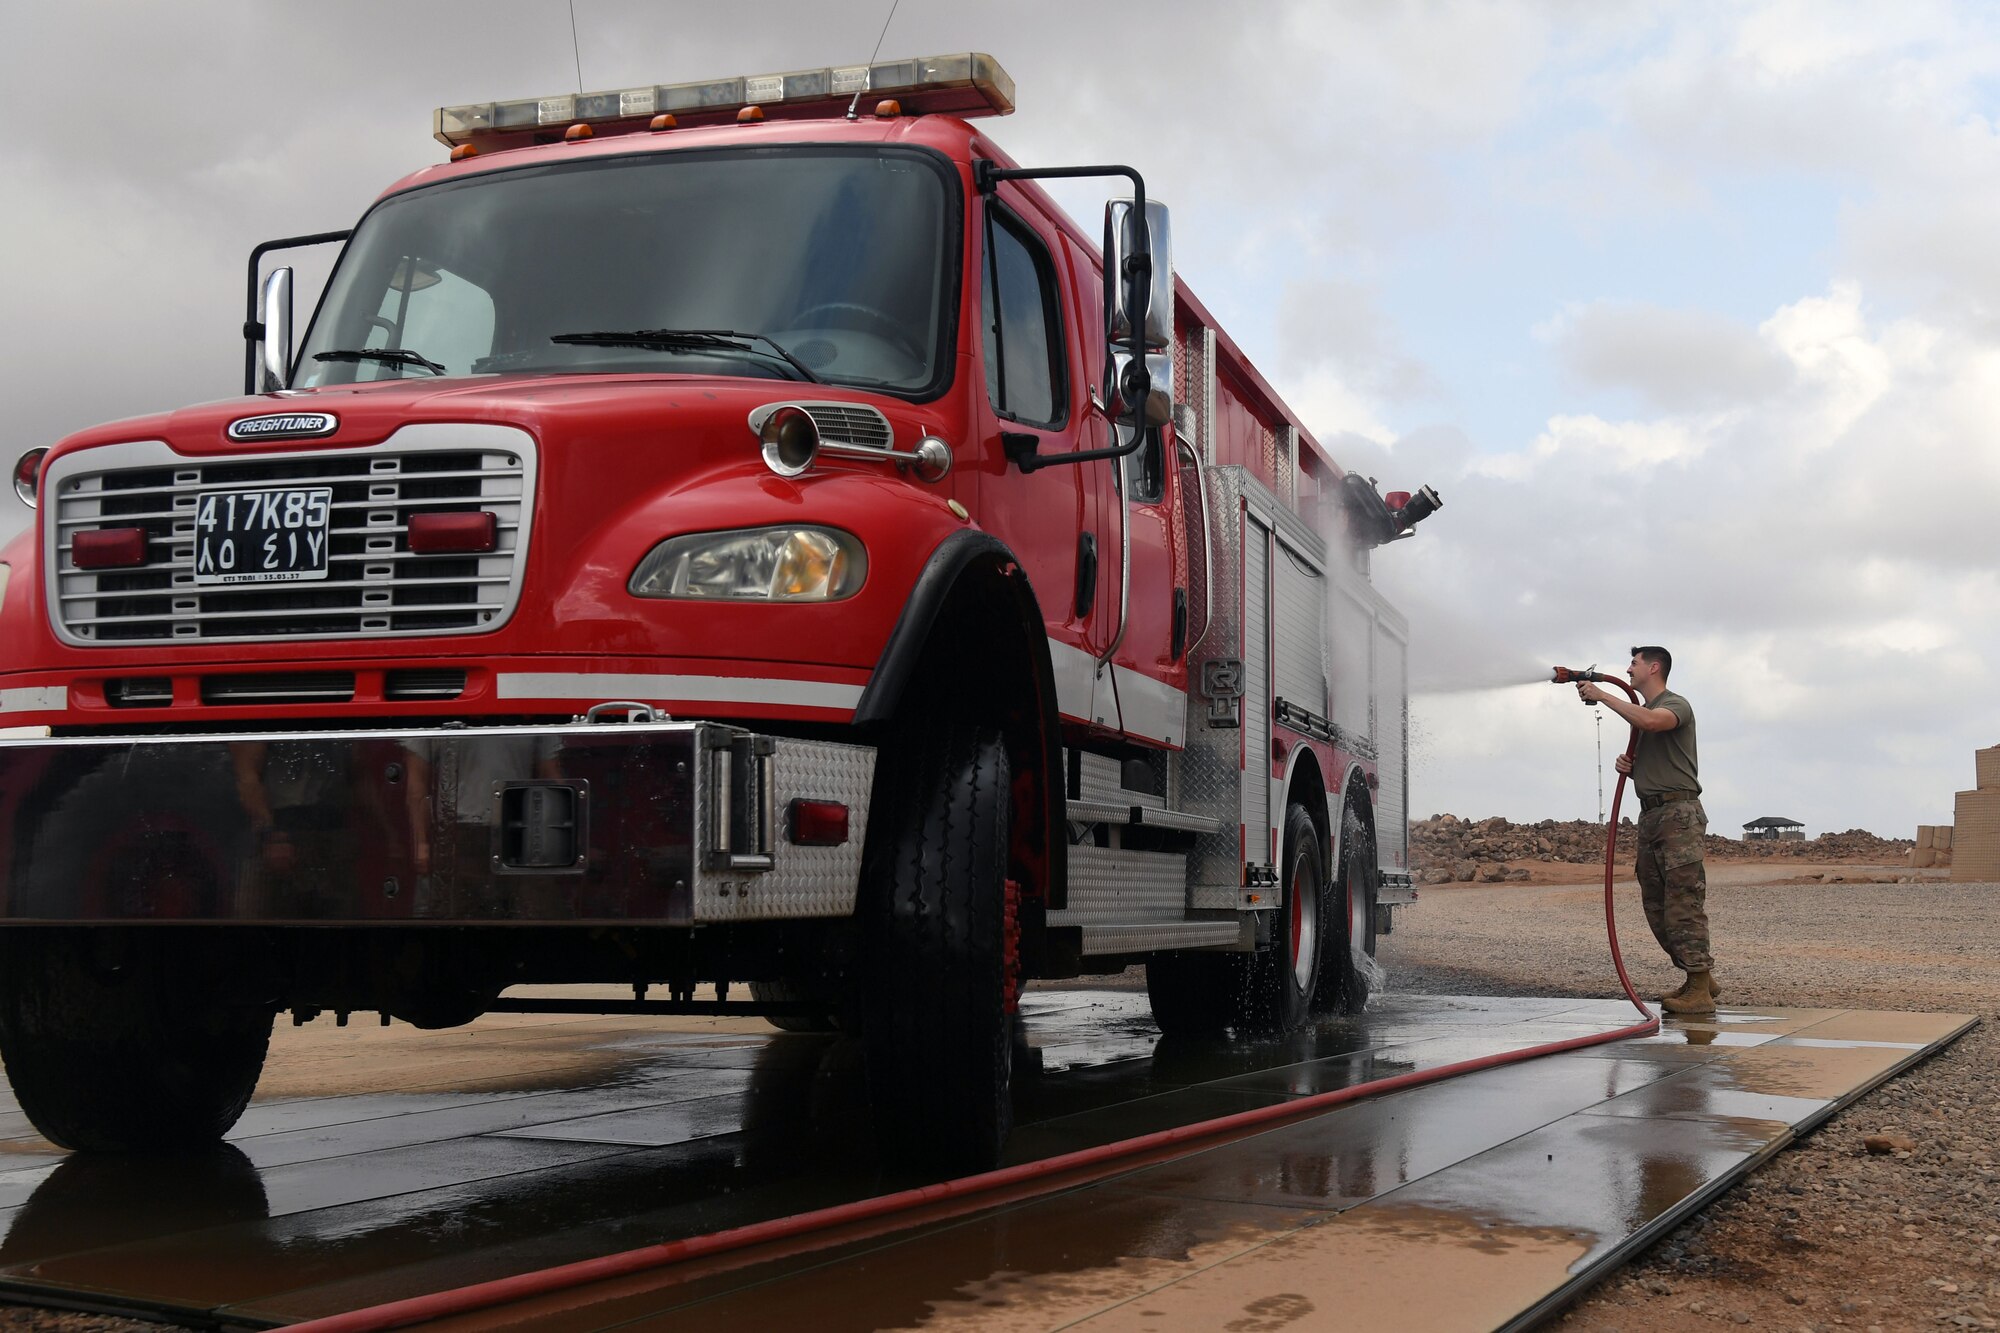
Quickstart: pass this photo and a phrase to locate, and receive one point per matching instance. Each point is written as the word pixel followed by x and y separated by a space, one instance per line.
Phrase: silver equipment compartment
pixel 1298 641
pixel 666 823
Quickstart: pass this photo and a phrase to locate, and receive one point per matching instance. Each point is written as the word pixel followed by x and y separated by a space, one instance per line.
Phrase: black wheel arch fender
pixel 971 569
pixel 1353 793
pixel 1306 785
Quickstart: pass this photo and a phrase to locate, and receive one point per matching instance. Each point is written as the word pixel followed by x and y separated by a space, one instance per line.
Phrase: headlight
pixel 760 565
pixel 28 475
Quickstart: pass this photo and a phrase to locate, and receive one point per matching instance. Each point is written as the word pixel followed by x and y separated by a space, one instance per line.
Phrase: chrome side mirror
pixel 1138 297
pixel 275 360
pixel 1151 304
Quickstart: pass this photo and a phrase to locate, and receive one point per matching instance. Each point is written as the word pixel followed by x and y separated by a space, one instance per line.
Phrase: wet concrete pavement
pixel 1468 1204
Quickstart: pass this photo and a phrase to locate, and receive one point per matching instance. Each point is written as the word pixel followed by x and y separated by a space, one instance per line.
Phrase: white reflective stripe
pixel 1076 679
pixel 1151 708
pixel 599 687
pixel 34 699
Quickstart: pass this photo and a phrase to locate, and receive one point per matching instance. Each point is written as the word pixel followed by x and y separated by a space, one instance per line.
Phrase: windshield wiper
pixel 395 356
pixel 678 340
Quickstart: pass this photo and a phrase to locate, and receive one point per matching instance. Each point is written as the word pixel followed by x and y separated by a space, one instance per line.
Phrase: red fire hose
pixel 1047 1171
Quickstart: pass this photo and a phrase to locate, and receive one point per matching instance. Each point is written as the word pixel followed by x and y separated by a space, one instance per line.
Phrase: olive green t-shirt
pixel 1665 760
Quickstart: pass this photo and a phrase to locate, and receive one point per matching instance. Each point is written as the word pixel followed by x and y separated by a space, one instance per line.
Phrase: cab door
pixel 1036 404
pixel 1143 608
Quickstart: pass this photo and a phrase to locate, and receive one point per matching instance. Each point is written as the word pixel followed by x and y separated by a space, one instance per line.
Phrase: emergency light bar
pixel 971 84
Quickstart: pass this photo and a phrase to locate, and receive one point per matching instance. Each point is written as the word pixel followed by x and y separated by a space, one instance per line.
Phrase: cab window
pixel 1024 341
pixel 428 308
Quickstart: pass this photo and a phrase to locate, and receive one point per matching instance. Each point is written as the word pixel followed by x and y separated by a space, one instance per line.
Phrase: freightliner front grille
pixel 375 585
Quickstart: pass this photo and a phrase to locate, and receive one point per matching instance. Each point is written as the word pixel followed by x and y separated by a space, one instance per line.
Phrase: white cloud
pixel 1674 360
pixel 1820 562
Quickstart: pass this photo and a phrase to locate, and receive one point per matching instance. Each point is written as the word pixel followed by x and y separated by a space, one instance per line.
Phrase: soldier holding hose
pixel 1673 884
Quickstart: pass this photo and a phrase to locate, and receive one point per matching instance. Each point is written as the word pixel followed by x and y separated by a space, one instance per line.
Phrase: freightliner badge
pixel 284 426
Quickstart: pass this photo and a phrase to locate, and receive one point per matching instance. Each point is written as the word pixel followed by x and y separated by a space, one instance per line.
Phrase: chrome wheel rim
pixel 1357 909
pixel 1305 929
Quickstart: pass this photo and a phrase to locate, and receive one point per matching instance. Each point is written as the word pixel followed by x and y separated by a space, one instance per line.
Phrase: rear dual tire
pixel 1271 991
pixel 1313 965
pixel 1278 985
pixel 1347 969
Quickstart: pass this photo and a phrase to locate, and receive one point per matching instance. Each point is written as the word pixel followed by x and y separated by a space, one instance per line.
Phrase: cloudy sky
pixel 1691 311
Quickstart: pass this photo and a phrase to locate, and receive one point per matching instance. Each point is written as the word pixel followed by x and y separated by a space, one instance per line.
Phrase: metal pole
pixel 1600 765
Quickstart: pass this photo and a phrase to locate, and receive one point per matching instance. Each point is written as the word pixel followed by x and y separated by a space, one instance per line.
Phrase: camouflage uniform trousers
pixel 1673 885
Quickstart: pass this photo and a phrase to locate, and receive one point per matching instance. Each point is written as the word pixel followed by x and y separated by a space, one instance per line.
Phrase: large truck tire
pixel 940 943
pixel 1278 984
pixel 1345 980
pixel 131 1058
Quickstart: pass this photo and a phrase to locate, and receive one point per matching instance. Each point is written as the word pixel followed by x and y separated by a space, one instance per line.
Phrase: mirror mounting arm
pixel 1138 275
pixel 253 327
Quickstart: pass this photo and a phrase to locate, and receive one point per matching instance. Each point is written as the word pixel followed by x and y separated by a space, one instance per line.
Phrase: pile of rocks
pixel 1446 848
pixel 1856 844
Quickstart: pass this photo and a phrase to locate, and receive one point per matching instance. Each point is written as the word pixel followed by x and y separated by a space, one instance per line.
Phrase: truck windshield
pixel 840 258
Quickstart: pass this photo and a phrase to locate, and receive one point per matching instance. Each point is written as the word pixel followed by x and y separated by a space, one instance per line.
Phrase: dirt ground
pixel 1829 1235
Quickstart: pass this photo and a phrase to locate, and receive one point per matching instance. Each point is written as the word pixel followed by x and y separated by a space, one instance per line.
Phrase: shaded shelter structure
pixel 1770 828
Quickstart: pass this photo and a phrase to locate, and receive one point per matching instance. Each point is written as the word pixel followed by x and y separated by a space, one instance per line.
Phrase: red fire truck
pixel 737 539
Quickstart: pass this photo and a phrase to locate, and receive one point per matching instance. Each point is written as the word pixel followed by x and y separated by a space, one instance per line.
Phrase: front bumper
pixel 669 823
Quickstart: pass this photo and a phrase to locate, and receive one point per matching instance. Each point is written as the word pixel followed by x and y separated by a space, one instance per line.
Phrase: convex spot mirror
pixel 1152 409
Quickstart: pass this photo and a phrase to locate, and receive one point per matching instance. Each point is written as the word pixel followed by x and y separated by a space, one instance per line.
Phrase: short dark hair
pixel 1658 656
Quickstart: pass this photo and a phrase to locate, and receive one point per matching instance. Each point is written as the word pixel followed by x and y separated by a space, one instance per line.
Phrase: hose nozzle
pixel 1571 675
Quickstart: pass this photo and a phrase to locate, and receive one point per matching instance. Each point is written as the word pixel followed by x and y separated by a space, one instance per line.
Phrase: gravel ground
pixel 1829 1235
pixel 33 1319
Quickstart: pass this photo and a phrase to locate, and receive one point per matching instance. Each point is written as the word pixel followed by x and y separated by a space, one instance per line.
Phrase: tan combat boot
pixel 1714 988
pixel 1697 998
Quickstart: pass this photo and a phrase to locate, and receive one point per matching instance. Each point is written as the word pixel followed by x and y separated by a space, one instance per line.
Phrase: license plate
pixel 262 536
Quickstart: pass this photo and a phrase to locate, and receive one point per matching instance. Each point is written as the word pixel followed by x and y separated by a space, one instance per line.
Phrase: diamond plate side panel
pixel 1287 465
pixel 1211 767
pixel 1256 689
pixel 1111 886
pixel 1101 781
pixel 1206 404
pixel 806 881
pixel 1166 935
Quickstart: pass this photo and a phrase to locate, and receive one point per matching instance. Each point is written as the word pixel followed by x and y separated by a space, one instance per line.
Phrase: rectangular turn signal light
pixel 454 534
pixel 818 823
pixel 108 548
